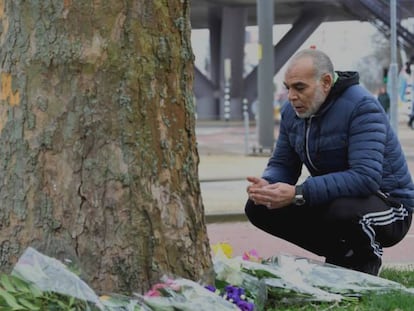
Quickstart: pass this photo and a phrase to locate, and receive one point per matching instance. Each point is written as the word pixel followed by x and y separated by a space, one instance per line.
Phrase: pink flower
pixel 159 286
pixel 152 293
pixel 155 289
pixel 252 255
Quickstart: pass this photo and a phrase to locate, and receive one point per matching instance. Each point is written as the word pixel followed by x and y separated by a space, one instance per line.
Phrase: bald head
pixel 320 62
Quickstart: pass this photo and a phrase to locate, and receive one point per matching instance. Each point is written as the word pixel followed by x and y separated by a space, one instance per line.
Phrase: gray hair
pixel 321 61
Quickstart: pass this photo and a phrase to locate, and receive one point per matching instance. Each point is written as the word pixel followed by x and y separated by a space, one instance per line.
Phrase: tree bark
pixel 98 160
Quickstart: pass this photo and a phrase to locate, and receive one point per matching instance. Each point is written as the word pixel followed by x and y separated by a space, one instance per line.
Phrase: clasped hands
pixel 272 196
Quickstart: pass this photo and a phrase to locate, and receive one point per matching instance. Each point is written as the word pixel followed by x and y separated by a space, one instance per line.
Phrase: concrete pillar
pixel 266 122
pixel 206 108
pixel 214 27
pixel 206 97
pixel 393 70
pixel 234 21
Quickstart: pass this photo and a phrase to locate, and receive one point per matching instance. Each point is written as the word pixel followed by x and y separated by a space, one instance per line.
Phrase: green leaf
pixel 6 283
pixel 28 304
pixel 63 305
pixel 35 291
pixel 20 285
pixel 260 273
pixel 10 300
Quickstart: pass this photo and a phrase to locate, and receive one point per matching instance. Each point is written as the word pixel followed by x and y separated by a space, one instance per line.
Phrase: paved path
pixel 226 158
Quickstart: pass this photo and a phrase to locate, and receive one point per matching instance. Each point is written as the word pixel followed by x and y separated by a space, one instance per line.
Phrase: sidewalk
pixel 224 164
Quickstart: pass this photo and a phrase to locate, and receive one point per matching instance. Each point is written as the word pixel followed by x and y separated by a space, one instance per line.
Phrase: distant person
pixel 254 108
pixel 405 85
pixel 359 196
pixel 384 99
pixel 411 118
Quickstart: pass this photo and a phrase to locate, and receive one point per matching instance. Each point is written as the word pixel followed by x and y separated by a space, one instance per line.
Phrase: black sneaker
pixel 372 266
pixel 345 260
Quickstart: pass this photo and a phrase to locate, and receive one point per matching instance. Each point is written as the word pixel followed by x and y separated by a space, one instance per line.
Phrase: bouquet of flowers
pixel 245 283
pixel 234 294
pixel 50 275
pixel 47 282
pixel 268 282
pixel 334 279
pixel 286 283
pixel 186 295
pixel 228 273
pixel 292 279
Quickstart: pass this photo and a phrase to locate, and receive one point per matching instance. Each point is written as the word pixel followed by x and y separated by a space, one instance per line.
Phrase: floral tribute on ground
pixel 247 282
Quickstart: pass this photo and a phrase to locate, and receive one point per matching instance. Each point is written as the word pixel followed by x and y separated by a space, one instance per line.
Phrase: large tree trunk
pixel 98 159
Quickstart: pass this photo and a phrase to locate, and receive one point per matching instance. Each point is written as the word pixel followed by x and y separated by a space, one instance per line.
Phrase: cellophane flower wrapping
pixel 285 282
pixel 293 279
pixel 182 294
pixel 334 279
pixel 248 282
pixel 229 271
pixel 50 275
pixel 117 302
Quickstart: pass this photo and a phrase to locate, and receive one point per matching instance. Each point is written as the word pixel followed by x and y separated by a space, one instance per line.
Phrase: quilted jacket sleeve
pixel 284 165
pixel 367 139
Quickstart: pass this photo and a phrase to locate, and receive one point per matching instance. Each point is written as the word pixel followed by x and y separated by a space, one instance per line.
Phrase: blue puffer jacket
pixel 348 147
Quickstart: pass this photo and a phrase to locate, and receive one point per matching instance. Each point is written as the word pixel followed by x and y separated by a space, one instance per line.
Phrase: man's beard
pixel 317 101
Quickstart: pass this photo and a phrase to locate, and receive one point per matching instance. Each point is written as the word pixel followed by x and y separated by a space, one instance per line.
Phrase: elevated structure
pixel 285 11
pixel 227 20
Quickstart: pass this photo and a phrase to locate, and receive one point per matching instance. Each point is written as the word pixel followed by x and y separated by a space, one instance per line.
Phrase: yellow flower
pixel 224 248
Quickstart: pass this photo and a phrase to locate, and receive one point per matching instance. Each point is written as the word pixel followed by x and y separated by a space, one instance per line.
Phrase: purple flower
pixel 235 295
pixel 211 288
pixel 232 290
pixel 245 305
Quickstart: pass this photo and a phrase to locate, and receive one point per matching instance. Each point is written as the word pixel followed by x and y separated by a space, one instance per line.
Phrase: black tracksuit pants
pixel 363 225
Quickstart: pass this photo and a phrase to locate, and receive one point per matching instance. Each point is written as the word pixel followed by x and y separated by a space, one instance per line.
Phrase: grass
pixel 393 301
